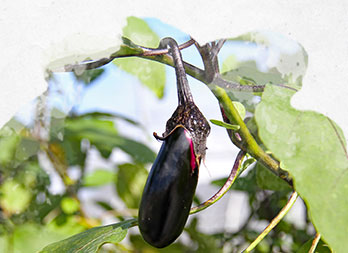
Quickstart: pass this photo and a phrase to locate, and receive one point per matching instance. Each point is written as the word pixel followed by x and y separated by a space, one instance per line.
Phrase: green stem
pixel 229 182
pixel 247 142
pixel 315 243
pixel 274 222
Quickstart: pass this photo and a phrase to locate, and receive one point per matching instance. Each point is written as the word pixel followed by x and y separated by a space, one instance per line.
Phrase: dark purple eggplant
pixel 169 190
pixel 171 184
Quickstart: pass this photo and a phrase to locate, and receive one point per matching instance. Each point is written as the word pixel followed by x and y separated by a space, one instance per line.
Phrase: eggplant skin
pixel 169 190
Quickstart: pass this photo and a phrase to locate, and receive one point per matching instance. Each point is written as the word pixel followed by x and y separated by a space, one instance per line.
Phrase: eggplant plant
pixel 290 153
pixel 171 184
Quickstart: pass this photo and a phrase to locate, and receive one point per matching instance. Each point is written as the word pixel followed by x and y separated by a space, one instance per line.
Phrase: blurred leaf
pixel 99 177
pixel 225 125
pixel 57 122
pixel 28 238
pixel 313 150
pixel 66 225
pixel 248 71
pixel 229 64
pixel 107 115
pixel 322 247
pixel 69 205
pixel 103 135
pixel 91 240
pixel 8 144
pixel 149 73
pixel 139 32
pixel 130 183
pixel 14 197
pixel 269 181
pixel 26 148
pixel 88 76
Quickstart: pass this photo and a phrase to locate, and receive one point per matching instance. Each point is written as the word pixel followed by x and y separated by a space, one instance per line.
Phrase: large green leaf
pixel 313 149
pixel 91 240
pixel 149 73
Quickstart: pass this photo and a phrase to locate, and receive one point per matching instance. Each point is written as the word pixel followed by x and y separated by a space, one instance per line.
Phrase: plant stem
pixel 230 180
pixel 315 243
pixel 274 222
pixel 244 140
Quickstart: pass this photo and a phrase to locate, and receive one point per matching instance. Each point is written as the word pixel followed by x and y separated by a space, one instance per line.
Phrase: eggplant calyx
pixel 195 159
pixel 191 118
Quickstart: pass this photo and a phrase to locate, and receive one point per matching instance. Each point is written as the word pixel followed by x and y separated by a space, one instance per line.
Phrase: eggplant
pixel 172 181
pixel 169 190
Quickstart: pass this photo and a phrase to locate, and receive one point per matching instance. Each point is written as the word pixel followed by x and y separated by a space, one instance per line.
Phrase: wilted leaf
pixel 313 150
pixel 91 240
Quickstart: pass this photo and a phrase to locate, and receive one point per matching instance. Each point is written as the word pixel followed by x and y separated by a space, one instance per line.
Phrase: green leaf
pixel 28 237
pixel 313 150
pixel 269 181
pixel 140 33
pixel 225 125
pixel 99 177
pixel 26 148
pixel 229 63
pixel 91 240
pixel 130 183
pixel 240 108
pixel 149 73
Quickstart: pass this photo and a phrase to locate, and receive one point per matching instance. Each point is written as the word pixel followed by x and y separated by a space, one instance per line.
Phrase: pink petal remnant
pixel 193 156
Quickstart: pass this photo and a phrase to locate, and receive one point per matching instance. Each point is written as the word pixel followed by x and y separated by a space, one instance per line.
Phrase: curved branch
pixel 143 51
pixel 230 180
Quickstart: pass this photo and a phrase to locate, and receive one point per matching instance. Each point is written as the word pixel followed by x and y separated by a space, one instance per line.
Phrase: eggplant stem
pixel 229 182
pixel 184 93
